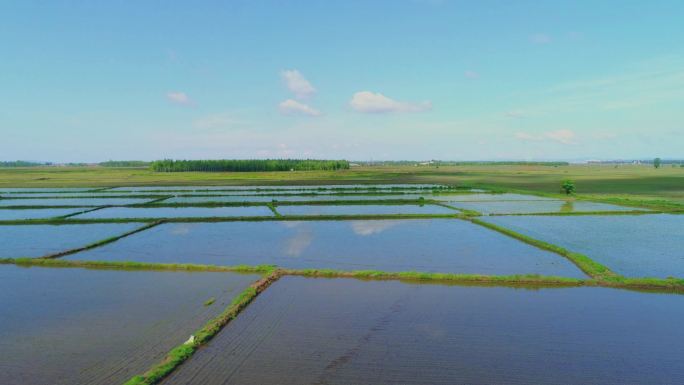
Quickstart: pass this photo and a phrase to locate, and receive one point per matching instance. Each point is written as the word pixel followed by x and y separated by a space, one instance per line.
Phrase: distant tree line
pixel 458 163
pixel 124 163
pixel 238 165
pixel 23 163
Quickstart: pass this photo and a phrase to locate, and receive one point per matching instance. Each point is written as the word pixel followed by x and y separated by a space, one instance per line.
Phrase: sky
pixel 88 81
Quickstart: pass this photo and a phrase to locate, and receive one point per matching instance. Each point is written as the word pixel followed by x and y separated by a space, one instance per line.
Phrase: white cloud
pixel 540 38
pixel 293 107
pixel 180 98
pixel 560 136
pixel 377 103
pixel 297 84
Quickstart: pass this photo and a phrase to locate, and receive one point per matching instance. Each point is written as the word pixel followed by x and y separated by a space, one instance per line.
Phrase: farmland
pixel 375 275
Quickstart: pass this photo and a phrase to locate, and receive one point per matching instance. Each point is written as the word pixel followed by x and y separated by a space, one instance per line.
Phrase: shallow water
pixel 632 245
pixel 336 331
pixel 292 198
pixel 489 197
pixel 9 215
pixel 433 245
pixel 48 189
pixel 363 209
pixel 176 212
pixel 38 240
pixel 272 187
pixel 73 201
pixel 531 207
pixel 96 327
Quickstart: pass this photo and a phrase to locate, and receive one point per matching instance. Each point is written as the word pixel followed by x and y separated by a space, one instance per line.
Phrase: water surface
pixel 363 209
pixel 97 327
pixel 433 245
pixel 632 245
pixel 176 212
pixel 38 240
pixel 11 214
pixel 73 201
pixel 292 198
pixel 320 331
pixel 532 207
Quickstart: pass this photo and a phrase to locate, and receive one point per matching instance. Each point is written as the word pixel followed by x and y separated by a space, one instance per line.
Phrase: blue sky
pixel 413 79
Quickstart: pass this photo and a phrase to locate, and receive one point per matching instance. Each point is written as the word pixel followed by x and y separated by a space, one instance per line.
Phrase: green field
pixel 634 182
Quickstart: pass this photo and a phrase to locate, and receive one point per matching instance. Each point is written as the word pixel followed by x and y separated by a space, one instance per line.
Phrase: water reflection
pixel 365 228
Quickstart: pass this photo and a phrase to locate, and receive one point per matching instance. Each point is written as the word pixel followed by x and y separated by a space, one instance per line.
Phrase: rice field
pixel 337 284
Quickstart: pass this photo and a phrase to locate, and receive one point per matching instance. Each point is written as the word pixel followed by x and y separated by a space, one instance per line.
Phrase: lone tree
pixel 656 162
pixel 568 187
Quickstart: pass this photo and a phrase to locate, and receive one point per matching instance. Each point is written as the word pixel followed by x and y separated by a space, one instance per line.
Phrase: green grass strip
pixel 99 243
pixel 413 276
pixel 132 265
pixel 658 285
pixel 180 353
pixel 584 263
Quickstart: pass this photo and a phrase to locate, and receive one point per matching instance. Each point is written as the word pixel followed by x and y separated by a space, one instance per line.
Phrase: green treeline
pixel 124 163
pixel 245 165
pixel 22 163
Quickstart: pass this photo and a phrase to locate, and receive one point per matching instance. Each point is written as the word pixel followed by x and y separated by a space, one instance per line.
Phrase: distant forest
pixel 22 163
pixel 247 165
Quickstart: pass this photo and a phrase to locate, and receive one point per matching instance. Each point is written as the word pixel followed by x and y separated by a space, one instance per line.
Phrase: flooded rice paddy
pixel 290 198
pixel 76 326
pixel 363 209
pixel 532 207
pixel 96 327
pixel 11 214
pixel 17 241
pixel 432 245
pixel 76 202
pixel 632 245
pixel 342 331
pixel 176 212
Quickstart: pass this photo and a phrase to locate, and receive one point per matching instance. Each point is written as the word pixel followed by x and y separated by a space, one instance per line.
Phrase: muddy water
pixel 432 245
pixel 633 245
pixel 38 240
pixel 177 212
pixel 363 209
pixel 320 331
pixel 96 327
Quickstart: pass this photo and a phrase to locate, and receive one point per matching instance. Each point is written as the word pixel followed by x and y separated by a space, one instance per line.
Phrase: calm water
pixel 632 245
pixel 289 187
pixel 39 240
pixel 177 212
pixel 319 331
pixel 363 209
pixel 489 197
pixel 292 198
pixel 72 202
pixel 51 189
pixel 524 207
pixel 444 245
pixel 7 215
pixel 96 327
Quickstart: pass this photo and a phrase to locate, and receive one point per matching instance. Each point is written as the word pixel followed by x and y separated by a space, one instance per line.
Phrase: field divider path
pixel 100 242
pixel 584 263
pixel 80 212
pixel 656 285
pixel 181 353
